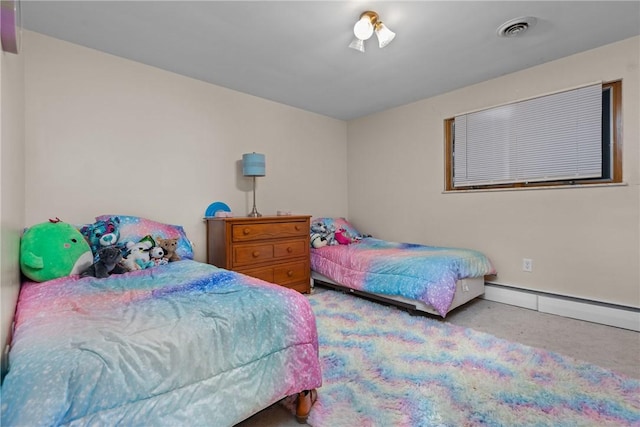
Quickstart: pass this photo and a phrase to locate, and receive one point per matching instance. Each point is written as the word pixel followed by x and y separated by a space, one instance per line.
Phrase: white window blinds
pixel 554 137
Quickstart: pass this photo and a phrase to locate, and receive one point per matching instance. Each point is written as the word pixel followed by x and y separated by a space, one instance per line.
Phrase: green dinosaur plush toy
pixel 53 249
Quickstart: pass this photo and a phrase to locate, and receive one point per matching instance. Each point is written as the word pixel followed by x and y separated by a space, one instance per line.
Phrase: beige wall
pixel 104 134
pixel 108 135
pixel 584 242
pixel 11 186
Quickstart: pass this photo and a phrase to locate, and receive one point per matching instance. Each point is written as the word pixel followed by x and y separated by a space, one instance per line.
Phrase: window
pixel 568 138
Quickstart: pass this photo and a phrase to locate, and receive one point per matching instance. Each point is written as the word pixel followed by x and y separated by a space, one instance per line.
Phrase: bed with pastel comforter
pixel 184 343
pixel 438 278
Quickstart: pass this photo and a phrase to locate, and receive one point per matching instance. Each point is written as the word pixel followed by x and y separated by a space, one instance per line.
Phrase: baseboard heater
pixel 575 308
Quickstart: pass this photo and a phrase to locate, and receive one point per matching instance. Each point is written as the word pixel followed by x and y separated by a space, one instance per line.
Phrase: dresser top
pixel 271 218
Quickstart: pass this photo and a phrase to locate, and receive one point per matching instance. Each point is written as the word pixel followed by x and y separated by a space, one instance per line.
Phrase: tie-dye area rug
pixel 384 367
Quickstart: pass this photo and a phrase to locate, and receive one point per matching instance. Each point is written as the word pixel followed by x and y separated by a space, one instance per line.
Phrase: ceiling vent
pixel 516 27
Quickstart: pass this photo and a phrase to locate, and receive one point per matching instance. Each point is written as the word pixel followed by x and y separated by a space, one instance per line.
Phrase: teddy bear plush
pixel 108 259
pixel 101 234
pixel 138 257
pixel 169 246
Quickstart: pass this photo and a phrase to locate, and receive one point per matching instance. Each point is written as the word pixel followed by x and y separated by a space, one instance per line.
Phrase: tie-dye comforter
pixel 424 273
pixel 179 344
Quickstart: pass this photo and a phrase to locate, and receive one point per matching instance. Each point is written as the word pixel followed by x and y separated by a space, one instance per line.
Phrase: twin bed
pixel 416 277
pixel 184 343
pixel 187 343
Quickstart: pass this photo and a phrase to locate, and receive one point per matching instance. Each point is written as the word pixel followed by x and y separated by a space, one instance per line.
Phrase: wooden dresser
pixel 271 248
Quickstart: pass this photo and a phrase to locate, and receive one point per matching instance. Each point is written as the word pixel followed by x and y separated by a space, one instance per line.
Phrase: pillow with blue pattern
pixel 135 228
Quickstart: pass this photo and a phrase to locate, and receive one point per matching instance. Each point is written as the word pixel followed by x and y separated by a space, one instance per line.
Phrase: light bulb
pixel 363 28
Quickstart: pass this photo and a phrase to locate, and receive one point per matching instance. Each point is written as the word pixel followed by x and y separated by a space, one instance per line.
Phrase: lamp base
pixel 254 213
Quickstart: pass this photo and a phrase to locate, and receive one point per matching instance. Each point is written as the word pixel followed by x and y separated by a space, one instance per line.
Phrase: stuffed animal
pixel 318 227
pixel 157 255
pixel 169 246
pixel 343 238
pixel 317 241
pixel 149 239
pixel 328 232
pixel 137 256
pixel 101 234
pixel 53 249
pixel 108 259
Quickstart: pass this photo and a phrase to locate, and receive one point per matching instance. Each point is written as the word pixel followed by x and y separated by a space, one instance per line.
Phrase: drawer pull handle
pixel 256 254
pixel 246 231
pixel 290 273
pixel 297 227
pixel 289 249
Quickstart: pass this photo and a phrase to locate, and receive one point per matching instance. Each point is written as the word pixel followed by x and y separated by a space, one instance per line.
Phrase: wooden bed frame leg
pixel 305 402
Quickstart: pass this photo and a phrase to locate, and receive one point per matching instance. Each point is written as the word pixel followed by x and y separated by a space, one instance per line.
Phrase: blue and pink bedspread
pixel 425 273
pixel 179 344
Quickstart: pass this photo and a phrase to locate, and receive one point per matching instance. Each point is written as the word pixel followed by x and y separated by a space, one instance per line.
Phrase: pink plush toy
pixel 342 237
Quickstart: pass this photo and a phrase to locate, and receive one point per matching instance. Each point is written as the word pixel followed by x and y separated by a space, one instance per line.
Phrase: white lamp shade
pixel 384 34
pixel 253 164
pixel 363 28
pixel 357 44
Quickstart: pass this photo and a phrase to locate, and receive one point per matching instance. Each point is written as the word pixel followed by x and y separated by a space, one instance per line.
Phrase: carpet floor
pixel 384 367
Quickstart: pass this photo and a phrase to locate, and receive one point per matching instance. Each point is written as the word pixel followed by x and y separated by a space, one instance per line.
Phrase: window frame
pixel 616 153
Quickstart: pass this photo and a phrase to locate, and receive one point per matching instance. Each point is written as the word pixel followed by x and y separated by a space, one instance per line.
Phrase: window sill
pixel 549 187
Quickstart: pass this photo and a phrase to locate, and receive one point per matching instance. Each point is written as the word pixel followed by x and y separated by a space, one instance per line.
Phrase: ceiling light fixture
pixel 369 23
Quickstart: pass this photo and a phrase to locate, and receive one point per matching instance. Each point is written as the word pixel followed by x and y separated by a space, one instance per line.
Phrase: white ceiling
pixel 295 52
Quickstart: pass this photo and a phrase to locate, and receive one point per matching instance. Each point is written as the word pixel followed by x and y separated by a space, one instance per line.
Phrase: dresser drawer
pixel 265 231
pixel 263 252
pixel 252 254
pixel 291 249
pixel 282 274
pixel 291 272
pixel 265 274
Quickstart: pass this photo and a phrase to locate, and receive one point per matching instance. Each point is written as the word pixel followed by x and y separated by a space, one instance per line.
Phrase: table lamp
pixel 253 164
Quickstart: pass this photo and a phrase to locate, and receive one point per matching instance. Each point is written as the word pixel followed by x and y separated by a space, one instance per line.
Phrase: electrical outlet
pixel 527 264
